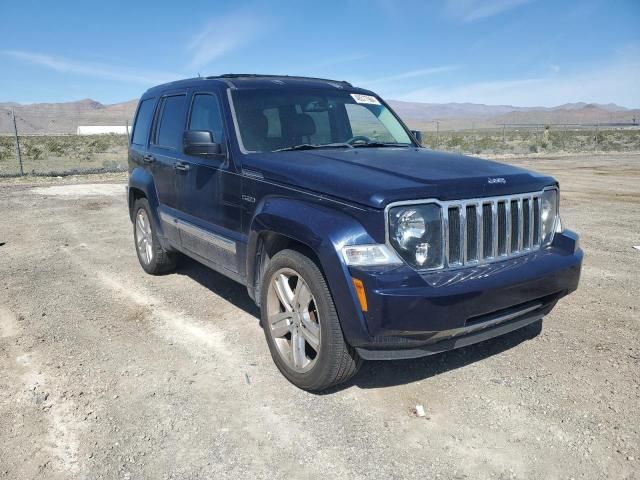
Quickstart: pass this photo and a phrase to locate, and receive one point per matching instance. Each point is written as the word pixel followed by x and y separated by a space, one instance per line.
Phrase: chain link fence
pixel 528 139
pixel 49 144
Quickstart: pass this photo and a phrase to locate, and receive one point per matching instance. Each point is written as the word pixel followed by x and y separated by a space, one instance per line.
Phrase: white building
pixel 98 130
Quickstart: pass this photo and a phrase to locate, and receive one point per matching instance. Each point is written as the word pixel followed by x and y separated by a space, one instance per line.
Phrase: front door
pixel 212 205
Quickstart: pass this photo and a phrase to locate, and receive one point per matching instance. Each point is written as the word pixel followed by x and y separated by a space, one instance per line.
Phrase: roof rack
pixel 276 77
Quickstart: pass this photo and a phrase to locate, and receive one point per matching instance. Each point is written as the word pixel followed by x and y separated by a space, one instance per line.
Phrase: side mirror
pixel 418 135
pixel 200 142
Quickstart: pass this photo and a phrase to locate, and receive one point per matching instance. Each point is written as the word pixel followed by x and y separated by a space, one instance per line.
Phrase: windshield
pixel 270 120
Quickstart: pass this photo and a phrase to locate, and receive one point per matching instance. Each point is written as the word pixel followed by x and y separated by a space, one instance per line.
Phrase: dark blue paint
pixel 330 198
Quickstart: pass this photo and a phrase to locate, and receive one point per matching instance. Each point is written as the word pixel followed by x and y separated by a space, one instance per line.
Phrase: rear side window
pixel 171 123
pixel 143 120
pixel 205 115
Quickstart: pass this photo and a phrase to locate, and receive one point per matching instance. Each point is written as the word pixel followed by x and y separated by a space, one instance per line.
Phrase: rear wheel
pixel 153 258
pixel 301 324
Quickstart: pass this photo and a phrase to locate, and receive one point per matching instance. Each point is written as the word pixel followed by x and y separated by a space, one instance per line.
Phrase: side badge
pixel 249 199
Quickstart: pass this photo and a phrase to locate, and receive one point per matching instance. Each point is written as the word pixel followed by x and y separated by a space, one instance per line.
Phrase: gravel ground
pixel 107 372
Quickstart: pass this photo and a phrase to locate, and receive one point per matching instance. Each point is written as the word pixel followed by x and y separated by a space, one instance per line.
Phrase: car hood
pixel 377 176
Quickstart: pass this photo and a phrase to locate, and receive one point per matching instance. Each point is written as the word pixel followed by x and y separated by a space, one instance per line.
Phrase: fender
pixel 142 180
pixel 325 230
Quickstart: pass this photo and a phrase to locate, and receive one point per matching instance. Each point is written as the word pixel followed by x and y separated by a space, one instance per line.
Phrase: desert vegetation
pixel 43 154
pixel 533 140
pixel 65 154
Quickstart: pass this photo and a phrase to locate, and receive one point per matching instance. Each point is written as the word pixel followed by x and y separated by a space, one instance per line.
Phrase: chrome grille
pixel 488 229
pixel 469 237
pixel 455 250
pixel 502 228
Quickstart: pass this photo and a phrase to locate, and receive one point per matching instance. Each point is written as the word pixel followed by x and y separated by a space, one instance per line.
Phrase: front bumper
pixel 411 314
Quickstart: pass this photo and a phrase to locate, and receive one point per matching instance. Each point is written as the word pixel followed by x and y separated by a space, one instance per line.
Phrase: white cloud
pixel 223 35
pixel 616 82
pixel 424 72
pixel 91 69
pixel 475 10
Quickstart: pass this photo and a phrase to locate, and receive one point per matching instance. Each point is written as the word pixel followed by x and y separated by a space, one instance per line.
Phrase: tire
pixel 153 258
pixel 328 359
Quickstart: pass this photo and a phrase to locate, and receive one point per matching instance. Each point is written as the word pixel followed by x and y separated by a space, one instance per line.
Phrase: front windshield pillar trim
pixel 235 123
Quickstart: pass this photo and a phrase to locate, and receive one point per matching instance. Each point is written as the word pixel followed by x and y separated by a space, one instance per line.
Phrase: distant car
pixel 356 242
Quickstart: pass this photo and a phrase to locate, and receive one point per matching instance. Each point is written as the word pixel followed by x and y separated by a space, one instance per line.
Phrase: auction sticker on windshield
pixel 365 99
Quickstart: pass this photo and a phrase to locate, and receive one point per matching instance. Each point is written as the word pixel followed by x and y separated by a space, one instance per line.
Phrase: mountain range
pixel 466 115
pixel 43 118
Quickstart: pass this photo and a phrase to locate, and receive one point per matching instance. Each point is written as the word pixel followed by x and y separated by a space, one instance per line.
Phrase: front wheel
pixel 301 324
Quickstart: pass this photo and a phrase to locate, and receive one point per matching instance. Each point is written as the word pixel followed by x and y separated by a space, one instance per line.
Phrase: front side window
pixel 206 115
pixel 269 120
pixel 170 127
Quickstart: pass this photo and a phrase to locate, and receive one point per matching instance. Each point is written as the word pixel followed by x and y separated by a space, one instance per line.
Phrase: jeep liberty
pixel 355 241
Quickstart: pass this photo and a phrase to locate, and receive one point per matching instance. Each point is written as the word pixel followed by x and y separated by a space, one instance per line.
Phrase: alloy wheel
pixel 293 320
pixel 144 237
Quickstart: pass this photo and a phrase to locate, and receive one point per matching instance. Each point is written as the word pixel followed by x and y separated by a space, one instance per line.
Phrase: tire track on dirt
pixel 37 394
pixel 201 339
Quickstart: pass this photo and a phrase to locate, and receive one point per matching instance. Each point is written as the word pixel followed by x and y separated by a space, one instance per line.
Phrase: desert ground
pixel 106 372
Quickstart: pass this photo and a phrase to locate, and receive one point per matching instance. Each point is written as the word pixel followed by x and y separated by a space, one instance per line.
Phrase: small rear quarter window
pixel 143 120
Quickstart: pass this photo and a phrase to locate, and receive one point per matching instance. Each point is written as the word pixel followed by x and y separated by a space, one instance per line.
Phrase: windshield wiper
pixel 312 146
pixel 379 144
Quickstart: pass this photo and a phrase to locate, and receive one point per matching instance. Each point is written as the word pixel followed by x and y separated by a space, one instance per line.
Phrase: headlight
pixel 548 215
pixel 416 234
pixel 369 255
pixel 409 227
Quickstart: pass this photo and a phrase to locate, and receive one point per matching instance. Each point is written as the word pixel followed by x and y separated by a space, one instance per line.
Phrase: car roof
pixel 252 80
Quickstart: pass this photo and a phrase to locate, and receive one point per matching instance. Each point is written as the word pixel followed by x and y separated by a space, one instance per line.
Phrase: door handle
pixel 182 167
pixel 148 159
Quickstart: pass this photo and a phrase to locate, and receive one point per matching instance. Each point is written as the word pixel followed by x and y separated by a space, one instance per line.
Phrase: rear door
pixel 213 204
pixel 165 150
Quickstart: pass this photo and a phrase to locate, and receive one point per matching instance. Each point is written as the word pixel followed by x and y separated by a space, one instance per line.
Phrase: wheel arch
pixel 141 185
pixel 317 231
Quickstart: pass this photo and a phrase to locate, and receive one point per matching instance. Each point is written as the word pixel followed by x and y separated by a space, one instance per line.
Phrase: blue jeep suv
pixel 354 240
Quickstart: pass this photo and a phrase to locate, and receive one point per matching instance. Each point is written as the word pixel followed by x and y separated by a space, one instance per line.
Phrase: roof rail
pixel 276 77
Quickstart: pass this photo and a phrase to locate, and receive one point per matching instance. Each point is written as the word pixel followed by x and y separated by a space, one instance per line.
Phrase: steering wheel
pixel 358 138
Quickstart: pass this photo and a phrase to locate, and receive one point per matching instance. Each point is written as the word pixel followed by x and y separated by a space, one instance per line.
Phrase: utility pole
pixel 15 131
pixel 504 127
pixel 473 137
pixel 437 134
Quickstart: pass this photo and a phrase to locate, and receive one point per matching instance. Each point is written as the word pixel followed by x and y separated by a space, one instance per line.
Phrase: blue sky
pixel 519 52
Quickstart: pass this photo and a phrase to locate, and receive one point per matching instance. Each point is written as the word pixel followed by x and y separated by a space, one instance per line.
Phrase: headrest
pixel 303 125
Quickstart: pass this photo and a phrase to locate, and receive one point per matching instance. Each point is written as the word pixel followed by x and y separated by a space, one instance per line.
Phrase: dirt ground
pixel 106 372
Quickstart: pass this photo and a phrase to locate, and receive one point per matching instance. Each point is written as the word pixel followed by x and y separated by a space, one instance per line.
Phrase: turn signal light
pixel 362 297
